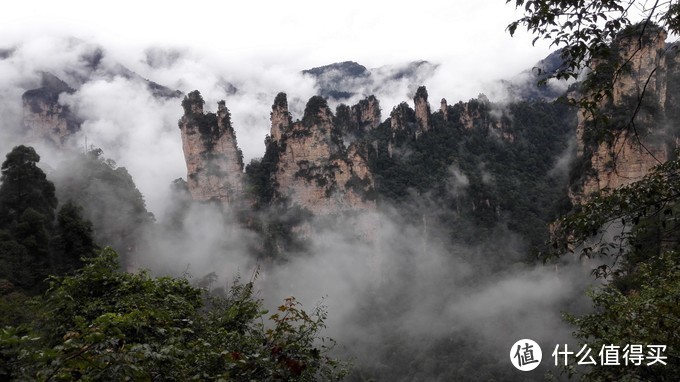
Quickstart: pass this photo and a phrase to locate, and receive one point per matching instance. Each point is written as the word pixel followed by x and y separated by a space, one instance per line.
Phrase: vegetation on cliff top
pixel 474 174
pixel 33 244
pixel 314 106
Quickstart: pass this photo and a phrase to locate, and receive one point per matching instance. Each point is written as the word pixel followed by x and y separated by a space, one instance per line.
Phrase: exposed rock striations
pixel 281 120
pixel 422 110
pixel 214 161
pixel 44 117
pixel 620 152
pixel 403 118
pixel 366 114
pixel 356 121
pixel 414 122
pixel 306 165
pixel 314 170
pixel 444 108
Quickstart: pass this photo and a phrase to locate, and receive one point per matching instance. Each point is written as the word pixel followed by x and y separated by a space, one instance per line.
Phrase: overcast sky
pixel 303 33
pixel 261 47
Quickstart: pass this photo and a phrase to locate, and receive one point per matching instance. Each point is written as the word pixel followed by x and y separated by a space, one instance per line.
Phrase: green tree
pixel 27 205
pixel 588 35
pixel 104 324
pixel 585 29
pixel 635 232
pixel 73 239
pixel 24 186
pixel 649 314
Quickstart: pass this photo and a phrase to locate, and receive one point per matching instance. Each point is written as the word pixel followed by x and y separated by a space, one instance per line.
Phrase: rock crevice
pixel 214 161
pixel 618 152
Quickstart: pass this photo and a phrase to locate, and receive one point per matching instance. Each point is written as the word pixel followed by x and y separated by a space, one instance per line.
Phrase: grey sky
pixel 300 33
pixel 261 47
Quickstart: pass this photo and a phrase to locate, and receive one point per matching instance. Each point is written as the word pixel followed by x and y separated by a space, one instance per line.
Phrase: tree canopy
pixel 632 231
pixel 634 234
pixel 24 186
pixel 586 33
pixel 104 324
pixel 27 209
pixel 33 242
pixel 585 30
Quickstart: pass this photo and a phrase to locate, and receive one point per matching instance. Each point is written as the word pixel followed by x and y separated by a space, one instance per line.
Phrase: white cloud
pixel 134 128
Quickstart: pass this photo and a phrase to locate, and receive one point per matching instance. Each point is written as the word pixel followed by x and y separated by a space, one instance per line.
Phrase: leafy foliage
pixel 211 126
pixel 634 230
pixel 585 30
pixel 73 239
pixel 260 174
pixel 102 324
pixel 590 35
pixel 275 222
pixel 279 231
pixel 32 244
pixel 24 186
pixel 653 197
pixel 647 315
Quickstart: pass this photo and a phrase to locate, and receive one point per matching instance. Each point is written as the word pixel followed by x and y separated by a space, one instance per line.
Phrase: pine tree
pixel 72 240
pixel 24 185
pixel 27 206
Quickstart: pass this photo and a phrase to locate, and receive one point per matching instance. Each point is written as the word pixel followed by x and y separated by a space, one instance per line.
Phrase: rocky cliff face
pixel 417 121
pixel 444 109
pixel 355 121
pixel 403 118
pixel 619 163
pixel 214 161
pixel 366 114
pixel 314 170
pixel 280 117
pixel 422 110
pixel 642 58
pixel 472 114
pixel 479 113
pixel 624 149
pixel 44 117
